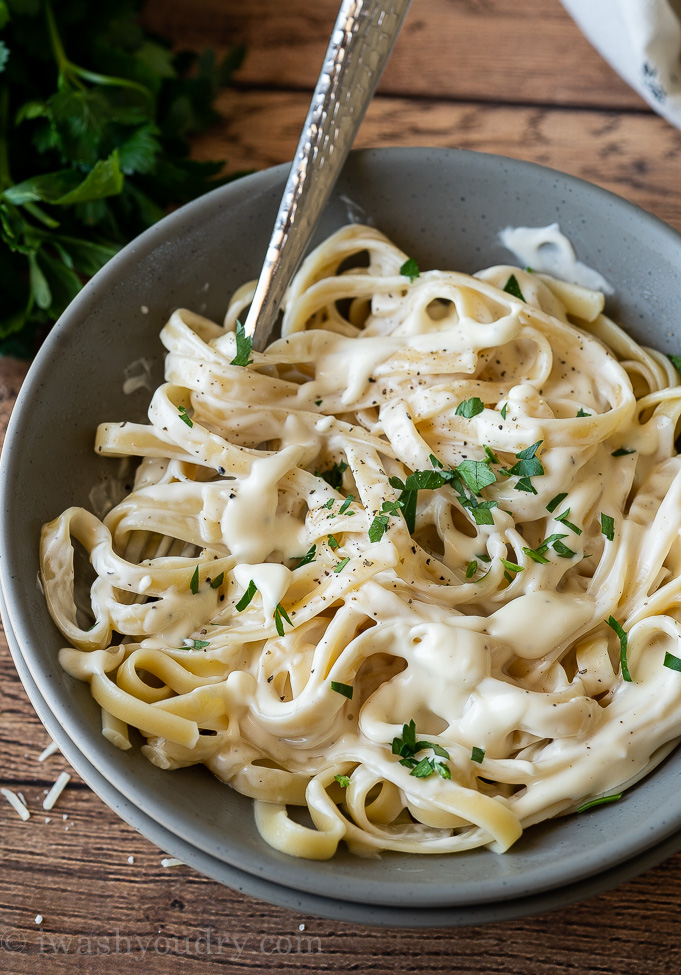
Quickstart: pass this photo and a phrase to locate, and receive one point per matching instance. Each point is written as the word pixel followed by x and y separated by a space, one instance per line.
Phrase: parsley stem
pixel 63 64
pixel 5 178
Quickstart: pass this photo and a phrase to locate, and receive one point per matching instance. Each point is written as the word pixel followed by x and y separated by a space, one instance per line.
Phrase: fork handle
pixel 362 39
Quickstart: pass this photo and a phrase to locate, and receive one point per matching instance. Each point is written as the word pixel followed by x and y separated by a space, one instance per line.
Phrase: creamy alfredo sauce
pixel 415 567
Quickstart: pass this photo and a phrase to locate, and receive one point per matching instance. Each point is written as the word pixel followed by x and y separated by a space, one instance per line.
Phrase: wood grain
pixel 489 50
pixel 261 129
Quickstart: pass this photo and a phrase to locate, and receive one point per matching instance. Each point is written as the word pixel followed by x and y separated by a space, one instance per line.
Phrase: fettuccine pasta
pixel 415 569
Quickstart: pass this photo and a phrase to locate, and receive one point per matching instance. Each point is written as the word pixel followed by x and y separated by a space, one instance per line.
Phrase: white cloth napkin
pixel 641 39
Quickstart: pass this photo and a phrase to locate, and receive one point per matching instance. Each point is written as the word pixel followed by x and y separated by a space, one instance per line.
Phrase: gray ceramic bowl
pixel 445 208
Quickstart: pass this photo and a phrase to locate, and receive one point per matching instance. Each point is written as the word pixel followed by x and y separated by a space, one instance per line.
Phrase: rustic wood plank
pixel 635 155
pixel 528 51
pixel 110 915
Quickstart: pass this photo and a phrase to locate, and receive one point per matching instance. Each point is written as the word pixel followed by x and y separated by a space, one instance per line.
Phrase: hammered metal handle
pixel 362 40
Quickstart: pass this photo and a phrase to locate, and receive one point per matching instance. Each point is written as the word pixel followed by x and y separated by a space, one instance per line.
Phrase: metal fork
pixel 362 40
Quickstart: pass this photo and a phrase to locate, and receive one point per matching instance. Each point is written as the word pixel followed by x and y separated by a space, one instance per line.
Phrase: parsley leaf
pixel 217 581
pixel 333 541
pixel 476 474
pixel 477 754
pixel 608 526
pixel 554 502
pixel 309 556
pixel 469 408
pixel 617 627
pixel 471 569
pixel 562 518
pixel 513 288
pixel 675 361
pixel 599 802
pixel 185 416
pixel 582 413
pixel 622 452
pixel 342 780
pixel 247 597
pixel 410 269
pixel 672 662
pixel 280 615
pixel 407 746
pixel 334 475
pixel 244 347
pixel 504 411
pixel 346 690
pixel 194 582
pixel 94 147
pixel 341 565
pixel 197 644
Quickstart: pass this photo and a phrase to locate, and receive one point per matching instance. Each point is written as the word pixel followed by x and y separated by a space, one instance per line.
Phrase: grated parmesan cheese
pixel 172 862
pixel 50 750
pixel 16 803
pixel 56 790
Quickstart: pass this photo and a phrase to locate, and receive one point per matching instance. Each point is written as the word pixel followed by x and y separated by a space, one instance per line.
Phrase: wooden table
pixel 507 76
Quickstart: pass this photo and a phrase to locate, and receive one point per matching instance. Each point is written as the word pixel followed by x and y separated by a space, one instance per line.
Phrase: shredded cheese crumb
pixel 38 919
pixel 56 790
pixel 131 859
pixel 50 750
pixel 16 803
pixel 172 862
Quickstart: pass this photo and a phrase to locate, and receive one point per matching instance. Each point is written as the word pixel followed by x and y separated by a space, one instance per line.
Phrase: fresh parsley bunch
pixel 95 115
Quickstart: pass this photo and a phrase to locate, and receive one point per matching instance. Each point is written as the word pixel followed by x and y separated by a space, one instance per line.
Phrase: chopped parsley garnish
pixel 582 413
pixel 280 615
pixel 471 569
pixel 410 269
pixel 562 550
pixel 617 627
pixel 329 504
pixel 513 288
pixel 622 452
pixel 608 526
pixel 318 402
pixel 217 581
pixel 674 663
pixel 469 408
pixel 309 556
pixel 536 556
pixel 194 583
pixel 599 802
pixel 407 746
pixel 184 416
pixel 481 510
pixel 512 566
pixel 346 504
pixel 379 525
pixel 197 644
pixel 244 347
pixel 341 565
pixel 554 502
pixel 435 462
pixel 334 475
pixel 562 518
pixel 504 411
pixel 675 361
pixel 342 780
pixel 346 690
pixel 554 542
pixel 476 474
pixel 333 541
pixel 527 466
pixel 490 455
pixel 477 754
pixel 247 597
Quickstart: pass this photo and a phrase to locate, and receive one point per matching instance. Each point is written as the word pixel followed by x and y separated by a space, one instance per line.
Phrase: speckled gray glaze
pixel 446 208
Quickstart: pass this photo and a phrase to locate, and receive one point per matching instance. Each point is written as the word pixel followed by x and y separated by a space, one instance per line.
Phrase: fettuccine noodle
pixel 416 568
